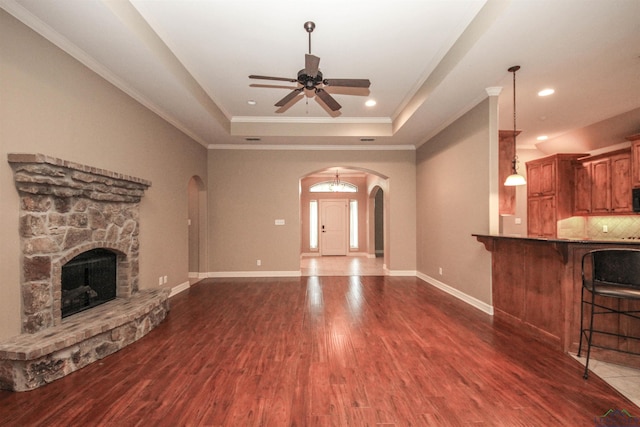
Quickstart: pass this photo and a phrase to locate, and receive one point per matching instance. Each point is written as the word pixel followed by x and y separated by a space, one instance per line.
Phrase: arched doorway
pixel 318 195
pixel 377 198
pixel 196 222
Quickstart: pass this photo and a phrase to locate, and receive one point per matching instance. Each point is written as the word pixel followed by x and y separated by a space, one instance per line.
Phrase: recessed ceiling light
pixel 251 102
pixel 252 139
pixel 542 138
pixel 370 103
pixel 546 92
pixel 367 139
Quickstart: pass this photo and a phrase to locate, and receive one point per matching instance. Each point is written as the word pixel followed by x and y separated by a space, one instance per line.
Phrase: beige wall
pixel 250 189
pixel 453 202
pixel 51 104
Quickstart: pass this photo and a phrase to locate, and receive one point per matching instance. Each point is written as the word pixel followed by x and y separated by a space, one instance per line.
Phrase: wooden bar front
pixel 536 285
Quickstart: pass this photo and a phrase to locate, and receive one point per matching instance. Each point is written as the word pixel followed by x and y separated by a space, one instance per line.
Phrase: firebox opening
pixel 88 280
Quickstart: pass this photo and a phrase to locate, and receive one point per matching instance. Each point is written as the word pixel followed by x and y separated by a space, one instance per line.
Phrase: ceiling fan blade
pixel 281 79
pixel 311 65
pixel 348 82
pixel 284 101
pixel 328 99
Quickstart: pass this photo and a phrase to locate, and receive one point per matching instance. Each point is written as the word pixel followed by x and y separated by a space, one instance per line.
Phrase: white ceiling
pixel 428 61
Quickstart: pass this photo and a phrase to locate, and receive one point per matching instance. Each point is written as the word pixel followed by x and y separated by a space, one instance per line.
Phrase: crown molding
pixel 312 147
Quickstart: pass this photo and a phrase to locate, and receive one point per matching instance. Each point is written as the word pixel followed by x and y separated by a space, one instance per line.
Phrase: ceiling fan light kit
pixel 310 78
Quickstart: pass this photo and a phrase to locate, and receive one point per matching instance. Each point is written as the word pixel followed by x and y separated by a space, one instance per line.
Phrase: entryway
pixel 342 266
pixel 343 219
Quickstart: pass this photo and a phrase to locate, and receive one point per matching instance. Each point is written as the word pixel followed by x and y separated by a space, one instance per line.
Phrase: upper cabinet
pixel 621 200
pixel 635 159
pixel 550 183
pixel 542 176
pixel 566 185
pixel 603 184
pixel 582 188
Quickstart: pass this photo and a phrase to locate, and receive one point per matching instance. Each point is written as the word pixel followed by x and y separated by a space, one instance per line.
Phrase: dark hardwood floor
pixel 322 351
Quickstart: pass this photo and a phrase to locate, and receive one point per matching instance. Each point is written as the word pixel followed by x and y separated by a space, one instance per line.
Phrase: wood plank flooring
pixel 322 351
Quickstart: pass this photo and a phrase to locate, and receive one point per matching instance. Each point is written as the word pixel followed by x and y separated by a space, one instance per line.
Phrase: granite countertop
pixel 585 240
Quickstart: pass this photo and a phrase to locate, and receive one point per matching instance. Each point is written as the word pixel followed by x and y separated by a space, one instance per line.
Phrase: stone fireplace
pixel 67 211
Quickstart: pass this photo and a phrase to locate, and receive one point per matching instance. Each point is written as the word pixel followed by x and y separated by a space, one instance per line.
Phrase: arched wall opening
pixel 370 183
pixel 196 221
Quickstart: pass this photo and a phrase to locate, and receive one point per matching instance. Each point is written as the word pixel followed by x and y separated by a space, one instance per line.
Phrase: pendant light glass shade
pixel 515 178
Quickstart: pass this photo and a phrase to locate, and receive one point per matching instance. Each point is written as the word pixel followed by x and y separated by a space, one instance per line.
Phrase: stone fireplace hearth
pixel 68 209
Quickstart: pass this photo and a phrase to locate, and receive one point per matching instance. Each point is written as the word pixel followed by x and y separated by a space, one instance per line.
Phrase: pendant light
pixel 336 185
pixel 515 178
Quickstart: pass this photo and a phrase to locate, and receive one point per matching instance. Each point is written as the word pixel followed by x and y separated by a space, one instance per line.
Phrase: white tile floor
pixel 341 266
pixel 623 379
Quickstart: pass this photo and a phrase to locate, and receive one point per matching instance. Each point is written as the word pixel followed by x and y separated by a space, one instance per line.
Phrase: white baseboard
pixel 179 288
pixel 228 274
pixel 402 273
pixel 480 305
pixel 197 275
pixel 318 254
pixel 308 254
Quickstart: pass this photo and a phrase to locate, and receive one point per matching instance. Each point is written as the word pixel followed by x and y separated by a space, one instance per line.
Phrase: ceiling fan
pixel 311 78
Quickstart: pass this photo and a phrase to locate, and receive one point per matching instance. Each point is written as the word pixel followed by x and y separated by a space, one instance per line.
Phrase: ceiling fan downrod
pixel 309 26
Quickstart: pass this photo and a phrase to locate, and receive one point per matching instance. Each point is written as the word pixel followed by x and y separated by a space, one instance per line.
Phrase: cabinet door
pixel 533 179
pixel 635 156
pixel 548 216
pixel 548 178
pixel 601 186
pixel 582 189
pixel 534 225
pixel 621 183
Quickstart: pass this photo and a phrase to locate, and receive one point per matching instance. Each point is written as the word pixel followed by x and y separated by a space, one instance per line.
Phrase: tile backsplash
pixel 592 227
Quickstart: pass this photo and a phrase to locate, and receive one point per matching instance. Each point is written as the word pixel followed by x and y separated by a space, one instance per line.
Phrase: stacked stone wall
pixel 65 209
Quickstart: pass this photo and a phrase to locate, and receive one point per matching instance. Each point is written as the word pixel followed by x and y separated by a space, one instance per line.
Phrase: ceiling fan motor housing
pixel 309 82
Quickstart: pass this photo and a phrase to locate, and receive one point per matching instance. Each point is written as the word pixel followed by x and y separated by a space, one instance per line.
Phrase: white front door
pixel 334 217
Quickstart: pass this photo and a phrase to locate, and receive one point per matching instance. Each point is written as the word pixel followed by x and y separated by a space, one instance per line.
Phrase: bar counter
pixel 536 285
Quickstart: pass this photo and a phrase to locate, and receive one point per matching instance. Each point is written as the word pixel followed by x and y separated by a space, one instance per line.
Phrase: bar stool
pixel 613 274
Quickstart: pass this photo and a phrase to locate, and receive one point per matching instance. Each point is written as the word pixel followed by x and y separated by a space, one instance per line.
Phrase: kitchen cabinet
pixel 550 191
pixel 603 184
pixel 635 159
pixel 541 177
pixel 621 183
pixel 582 195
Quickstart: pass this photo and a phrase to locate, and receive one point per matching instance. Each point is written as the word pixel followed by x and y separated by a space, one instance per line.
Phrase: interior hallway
pixel 342 266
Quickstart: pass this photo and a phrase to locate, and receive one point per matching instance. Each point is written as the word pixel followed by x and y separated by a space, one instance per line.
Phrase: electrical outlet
pixel 165 279
pixel 258 263
pixel 605 229
pixel 440 271
pixel 518 221
pixel 160 281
